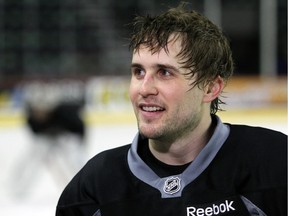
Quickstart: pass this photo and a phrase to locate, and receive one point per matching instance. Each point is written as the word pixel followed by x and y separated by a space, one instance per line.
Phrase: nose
pixel 148 86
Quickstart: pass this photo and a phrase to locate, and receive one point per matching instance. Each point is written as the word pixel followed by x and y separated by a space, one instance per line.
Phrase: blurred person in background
pixel 54 118
pixel 184 161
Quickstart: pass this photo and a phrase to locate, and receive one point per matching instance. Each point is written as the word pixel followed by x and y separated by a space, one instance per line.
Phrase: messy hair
pixel 205 51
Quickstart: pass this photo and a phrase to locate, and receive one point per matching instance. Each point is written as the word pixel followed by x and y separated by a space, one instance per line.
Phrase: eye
pixel 137 72
pixel 165 73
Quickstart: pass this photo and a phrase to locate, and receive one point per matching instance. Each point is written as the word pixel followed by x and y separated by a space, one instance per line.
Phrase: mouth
pixel 151 108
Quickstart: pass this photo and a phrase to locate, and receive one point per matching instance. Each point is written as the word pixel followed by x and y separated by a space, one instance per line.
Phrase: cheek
pixel 132 91
pixel 178 101
pixel 190 100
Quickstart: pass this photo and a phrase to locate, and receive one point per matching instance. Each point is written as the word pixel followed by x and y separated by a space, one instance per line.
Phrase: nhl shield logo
pixel 172 185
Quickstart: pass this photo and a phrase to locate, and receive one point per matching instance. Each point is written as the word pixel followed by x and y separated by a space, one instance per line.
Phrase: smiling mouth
pixel 152 108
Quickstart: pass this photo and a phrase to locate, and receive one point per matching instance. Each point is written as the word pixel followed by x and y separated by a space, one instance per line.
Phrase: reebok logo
pixel 214 209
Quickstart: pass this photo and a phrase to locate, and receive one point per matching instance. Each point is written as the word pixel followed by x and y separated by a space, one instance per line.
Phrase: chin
pixel 150 134
pixel 147 132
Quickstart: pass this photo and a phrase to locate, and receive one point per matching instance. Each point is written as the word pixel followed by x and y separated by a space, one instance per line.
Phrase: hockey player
pixel 184 161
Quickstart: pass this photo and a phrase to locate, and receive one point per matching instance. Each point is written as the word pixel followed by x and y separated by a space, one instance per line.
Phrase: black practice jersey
pixel 241 171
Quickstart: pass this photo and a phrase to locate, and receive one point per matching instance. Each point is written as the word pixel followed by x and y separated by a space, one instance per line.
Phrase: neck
pixel 185 149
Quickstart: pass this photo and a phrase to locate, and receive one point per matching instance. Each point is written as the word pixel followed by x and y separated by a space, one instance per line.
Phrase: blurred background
pixel 64 77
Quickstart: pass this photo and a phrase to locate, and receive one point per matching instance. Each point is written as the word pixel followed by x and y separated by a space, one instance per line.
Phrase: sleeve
pixel 268 201
pixel 76 199
pixel 268 180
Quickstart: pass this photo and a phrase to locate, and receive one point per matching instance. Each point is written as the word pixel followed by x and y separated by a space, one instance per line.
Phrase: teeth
pixel 151 109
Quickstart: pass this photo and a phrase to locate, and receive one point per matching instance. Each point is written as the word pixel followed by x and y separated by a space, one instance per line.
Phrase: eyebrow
pixel 136 65
pixel 168 66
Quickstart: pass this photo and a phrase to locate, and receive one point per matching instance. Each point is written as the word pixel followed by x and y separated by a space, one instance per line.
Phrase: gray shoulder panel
pixel 253 209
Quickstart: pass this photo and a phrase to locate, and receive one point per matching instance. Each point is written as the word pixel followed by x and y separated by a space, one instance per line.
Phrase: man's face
pixel 165 106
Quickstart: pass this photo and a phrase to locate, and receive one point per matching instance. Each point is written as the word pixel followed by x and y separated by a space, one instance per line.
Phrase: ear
pixel 213 89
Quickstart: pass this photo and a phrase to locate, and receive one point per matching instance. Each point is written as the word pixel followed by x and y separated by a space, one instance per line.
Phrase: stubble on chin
pixel 148 130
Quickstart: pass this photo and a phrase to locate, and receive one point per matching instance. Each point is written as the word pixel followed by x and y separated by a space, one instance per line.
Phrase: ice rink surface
pixel 19 156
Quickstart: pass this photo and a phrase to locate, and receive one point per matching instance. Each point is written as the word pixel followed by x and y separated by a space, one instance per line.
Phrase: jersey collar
pixel 172 186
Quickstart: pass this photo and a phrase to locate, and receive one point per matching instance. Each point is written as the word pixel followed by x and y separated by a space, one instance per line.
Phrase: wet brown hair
pixel 205 50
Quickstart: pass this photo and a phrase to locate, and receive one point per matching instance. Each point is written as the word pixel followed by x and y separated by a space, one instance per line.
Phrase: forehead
pixel 171 50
